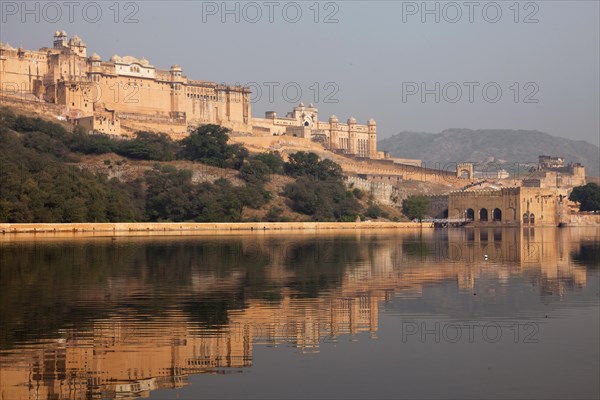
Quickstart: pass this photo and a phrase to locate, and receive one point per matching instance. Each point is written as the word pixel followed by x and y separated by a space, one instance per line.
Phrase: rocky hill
pixel 52 172
pixel 502 146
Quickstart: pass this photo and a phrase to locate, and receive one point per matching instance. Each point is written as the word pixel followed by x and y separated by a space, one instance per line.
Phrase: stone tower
pixel 333 132
pixel 353 141
pixel 95 70
pixel 177 92
pixel 372 129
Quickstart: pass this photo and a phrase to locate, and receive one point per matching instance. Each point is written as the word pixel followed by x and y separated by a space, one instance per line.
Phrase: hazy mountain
pixel 490 145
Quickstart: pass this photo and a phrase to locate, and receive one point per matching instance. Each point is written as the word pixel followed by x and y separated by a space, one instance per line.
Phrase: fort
pixel 553 172
pixel 125 94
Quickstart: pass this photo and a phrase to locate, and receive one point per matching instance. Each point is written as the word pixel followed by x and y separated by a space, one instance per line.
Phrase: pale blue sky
pixel 370 54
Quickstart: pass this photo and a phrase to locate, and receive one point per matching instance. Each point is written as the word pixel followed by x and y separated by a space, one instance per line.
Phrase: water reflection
pixel 118 317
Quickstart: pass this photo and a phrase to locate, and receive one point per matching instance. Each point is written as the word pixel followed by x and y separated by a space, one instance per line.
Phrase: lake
pixel 458 313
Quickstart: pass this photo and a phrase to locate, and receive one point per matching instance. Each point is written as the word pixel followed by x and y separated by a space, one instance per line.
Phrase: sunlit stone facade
pixel 124 94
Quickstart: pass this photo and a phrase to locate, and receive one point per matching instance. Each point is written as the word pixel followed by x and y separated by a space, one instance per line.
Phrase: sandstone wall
pixel 580 219
pixel 198 228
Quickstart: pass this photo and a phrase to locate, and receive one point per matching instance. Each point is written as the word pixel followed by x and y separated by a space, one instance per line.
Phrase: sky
pixel 413 66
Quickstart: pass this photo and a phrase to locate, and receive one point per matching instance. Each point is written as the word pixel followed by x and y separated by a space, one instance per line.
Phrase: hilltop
pixel 501 146
pixel 52 172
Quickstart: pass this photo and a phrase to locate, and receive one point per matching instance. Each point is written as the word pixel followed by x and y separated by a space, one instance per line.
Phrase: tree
pixel 253 196
pixel 148 146
pixel 359 194
pixel 588 197
pixel 37 186
pixel 415 207
pixel 168 194
pixel 309 165
pixel 323 200
pixel 208 144
pixel 272 160
pixel 302 163
pixel 254 172
pixel 218 202
pixel 275 214
pixel 83 142
pixel 374 211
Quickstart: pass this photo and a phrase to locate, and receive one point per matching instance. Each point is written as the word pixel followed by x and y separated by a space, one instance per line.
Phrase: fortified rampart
pixel 65 75
pixel 580 219
pixel 438 206
pixel 383 193
pixel 138 96
pixel 382 170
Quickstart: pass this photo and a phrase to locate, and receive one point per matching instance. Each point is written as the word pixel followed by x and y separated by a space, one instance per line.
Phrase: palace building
pixel 124 94
pixel 516 206
pixel 350 137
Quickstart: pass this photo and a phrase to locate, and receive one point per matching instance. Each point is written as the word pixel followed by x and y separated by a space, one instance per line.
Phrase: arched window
pixel 470 214
pixel 525 218
pixel 483 214
pixel 531 218
pixel 497 215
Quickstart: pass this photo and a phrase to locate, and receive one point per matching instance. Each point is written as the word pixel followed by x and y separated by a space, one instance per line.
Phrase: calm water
pixel 385 314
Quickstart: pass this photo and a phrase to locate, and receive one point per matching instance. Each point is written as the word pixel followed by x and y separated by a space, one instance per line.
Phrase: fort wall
pixel 383 193
pixel 196 228
pixel 580 219
pixel 130 87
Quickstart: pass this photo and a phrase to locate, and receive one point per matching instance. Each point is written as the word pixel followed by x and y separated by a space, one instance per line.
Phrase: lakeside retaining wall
pixel 581 219
pixel 201 228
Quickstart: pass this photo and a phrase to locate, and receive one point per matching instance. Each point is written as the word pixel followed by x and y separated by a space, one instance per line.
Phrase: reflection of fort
pixel 121 358
pixel 127 354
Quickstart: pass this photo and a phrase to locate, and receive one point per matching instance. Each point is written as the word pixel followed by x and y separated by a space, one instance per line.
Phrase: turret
pixel 77 46
pixel 175 72
pixel 314 112
pixel 578 175
pixel 353 141
pixel 333 132
pixel 60 39
pixel 95 67
pixel 579 170
pixel 177 95
pixel 372 129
